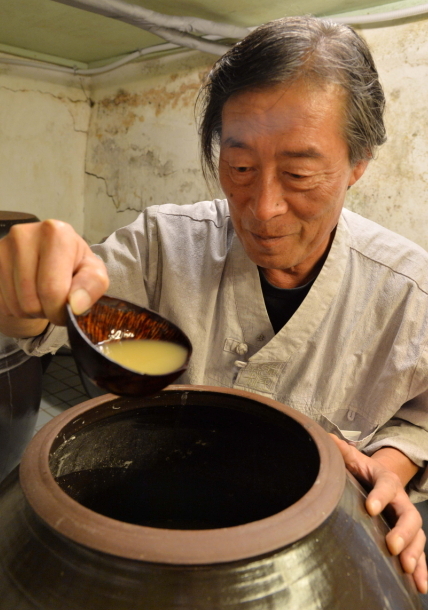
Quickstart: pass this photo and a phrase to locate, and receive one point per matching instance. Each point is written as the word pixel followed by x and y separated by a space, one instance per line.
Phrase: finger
pixel 410 556
pixel 420 574
pixel 63 256
pixel 387 486
pixel 360 465
pixel 25 269
pixel 89 283
pixel 5 281
pixel 407 530
pixel 13 263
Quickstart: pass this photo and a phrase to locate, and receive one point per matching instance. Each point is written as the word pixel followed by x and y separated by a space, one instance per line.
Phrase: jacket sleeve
pixel 407 431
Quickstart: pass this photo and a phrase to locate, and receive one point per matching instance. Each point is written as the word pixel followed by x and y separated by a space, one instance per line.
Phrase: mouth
pixel 267 239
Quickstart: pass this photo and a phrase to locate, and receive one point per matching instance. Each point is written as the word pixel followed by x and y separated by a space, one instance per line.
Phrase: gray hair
pixel 289 49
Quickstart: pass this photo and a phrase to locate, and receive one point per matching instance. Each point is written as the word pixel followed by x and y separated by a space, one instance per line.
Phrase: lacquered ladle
pixel 110 320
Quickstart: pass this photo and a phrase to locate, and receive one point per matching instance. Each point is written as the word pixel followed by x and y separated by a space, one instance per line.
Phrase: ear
pixel 357 171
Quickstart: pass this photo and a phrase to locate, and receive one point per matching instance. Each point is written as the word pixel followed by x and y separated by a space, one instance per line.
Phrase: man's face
pixel 284 169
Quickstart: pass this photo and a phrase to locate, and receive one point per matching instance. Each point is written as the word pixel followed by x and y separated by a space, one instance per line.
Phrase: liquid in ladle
pixel 146 356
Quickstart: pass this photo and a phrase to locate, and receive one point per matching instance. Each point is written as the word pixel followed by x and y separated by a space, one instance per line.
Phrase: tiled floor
pixel 62 387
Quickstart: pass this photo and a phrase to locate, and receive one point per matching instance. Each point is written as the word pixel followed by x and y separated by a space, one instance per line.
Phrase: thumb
pixel 90 281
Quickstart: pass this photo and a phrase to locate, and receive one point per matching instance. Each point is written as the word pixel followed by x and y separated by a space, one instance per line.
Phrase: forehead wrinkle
pixel 309 153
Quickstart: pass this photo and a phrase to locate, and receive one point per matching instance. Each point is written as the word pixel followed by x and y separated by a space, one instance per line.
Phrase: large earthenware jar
pixel 194 499
pixel 20 382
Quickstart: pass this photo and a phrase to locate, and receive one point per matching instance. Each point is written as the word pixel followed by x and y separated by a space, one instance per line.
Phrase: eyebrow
pixel 308 153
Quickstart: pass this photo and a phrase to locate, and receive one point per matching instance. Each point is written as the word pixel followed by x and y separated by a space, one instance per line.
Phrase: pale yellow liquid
pixel 146 356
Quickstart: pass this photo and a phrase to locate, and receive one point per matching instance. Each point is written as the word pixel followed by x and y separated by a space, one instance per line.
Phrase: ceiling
pixel 48 30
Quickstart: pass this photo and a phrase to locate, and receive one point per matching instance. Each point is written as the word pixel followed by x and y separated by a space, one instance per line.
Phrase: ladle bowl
pixel 112 319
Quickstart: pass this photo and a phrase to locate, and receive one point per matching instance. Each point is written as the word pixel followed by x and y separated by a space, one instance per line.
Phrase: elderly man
pixel 280 290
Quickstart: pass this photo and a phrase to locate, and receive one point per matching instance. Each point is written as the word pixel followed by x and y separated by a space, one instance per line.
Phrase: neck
pixel 288 278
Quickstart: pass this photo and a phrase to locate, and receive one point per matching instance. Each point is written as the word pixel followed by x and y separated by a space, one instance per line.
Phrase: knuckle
pixel 18 230
pixel 102 277
pixel 52 231
pixel 52 226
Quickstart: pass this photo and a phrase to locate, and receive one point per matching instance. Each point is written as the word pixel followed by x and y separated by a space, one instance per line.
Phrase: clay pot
pixel 20 394
pixel 20 382
pixel 194 499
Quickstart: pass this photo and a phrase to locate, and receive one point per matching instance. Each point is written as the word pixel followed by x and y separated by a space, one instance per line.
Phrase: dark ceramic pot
pixel 20 394
pixel 194 499
pixel 20 382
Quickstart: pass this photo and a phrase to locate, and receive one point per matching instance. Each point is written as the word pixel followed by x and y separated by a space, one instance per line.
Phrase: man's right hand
pixel 43 266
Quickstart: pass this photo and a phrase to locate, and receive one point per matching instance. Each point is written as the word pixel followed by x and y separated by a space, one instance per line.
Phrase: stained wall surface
pixel 394 190
pixel 142 145
pixel 97 152
pixel 44 120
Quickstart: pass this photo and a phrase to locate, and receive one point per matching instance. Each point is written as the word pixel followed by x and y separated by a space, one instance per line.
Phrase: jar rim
pixel 184 547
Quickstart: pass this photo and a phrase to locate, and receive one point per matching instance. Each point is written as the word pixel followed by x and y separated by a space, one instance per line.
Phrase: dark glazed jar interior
pixel 210 461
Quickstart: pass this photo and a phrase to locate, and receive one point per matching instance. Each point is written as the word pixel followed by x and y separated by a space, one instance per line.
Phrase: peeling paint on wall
pixel 142 145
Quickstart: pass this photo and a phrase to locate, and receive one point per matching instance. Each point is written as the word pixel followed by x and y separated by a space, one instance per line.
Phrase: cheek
pixel 225 182
pixel 230 190
pixel 325 200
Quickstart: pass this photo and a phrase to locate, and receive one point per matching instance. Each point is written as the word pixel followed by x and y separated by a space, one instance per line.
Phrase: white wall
pixel 44 122
pixel 394 190
pixel 141 147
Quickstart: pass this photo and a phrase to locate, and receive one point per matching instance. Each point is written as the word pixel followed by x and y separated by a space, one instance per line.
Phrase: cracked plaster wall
pixel 142 145
pixel 44 119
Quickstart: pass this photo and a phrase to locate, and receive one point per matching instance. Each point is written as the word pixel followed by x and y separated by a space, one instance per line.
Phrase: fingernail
pixel 412 565
pixel 79 301
pixel 425 588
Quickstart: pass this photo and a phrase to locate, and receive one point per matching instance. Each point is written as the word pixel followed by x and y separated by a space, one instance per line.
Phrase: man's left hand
pixel 406 538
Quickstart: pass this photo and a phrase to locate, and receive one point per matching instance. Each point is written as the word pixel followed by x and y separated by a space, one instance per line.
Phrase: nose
pixel 268 198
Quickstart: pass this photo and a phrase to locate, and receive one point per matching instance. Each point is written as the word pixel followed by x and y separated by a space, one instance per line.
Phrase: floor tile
pixel 73 381
pixel 62 387
pixel 55 386
pixel 61 374
pixel 54 411
pixel 42 419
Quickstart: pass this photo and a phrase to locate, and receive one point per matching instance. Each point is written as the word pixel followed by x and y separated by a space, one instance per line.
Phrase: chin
pixel 273 261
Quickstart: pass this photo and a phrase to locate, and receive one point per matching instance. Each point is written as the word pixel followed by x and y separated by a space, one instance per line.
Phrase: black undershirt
pixel 282 303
